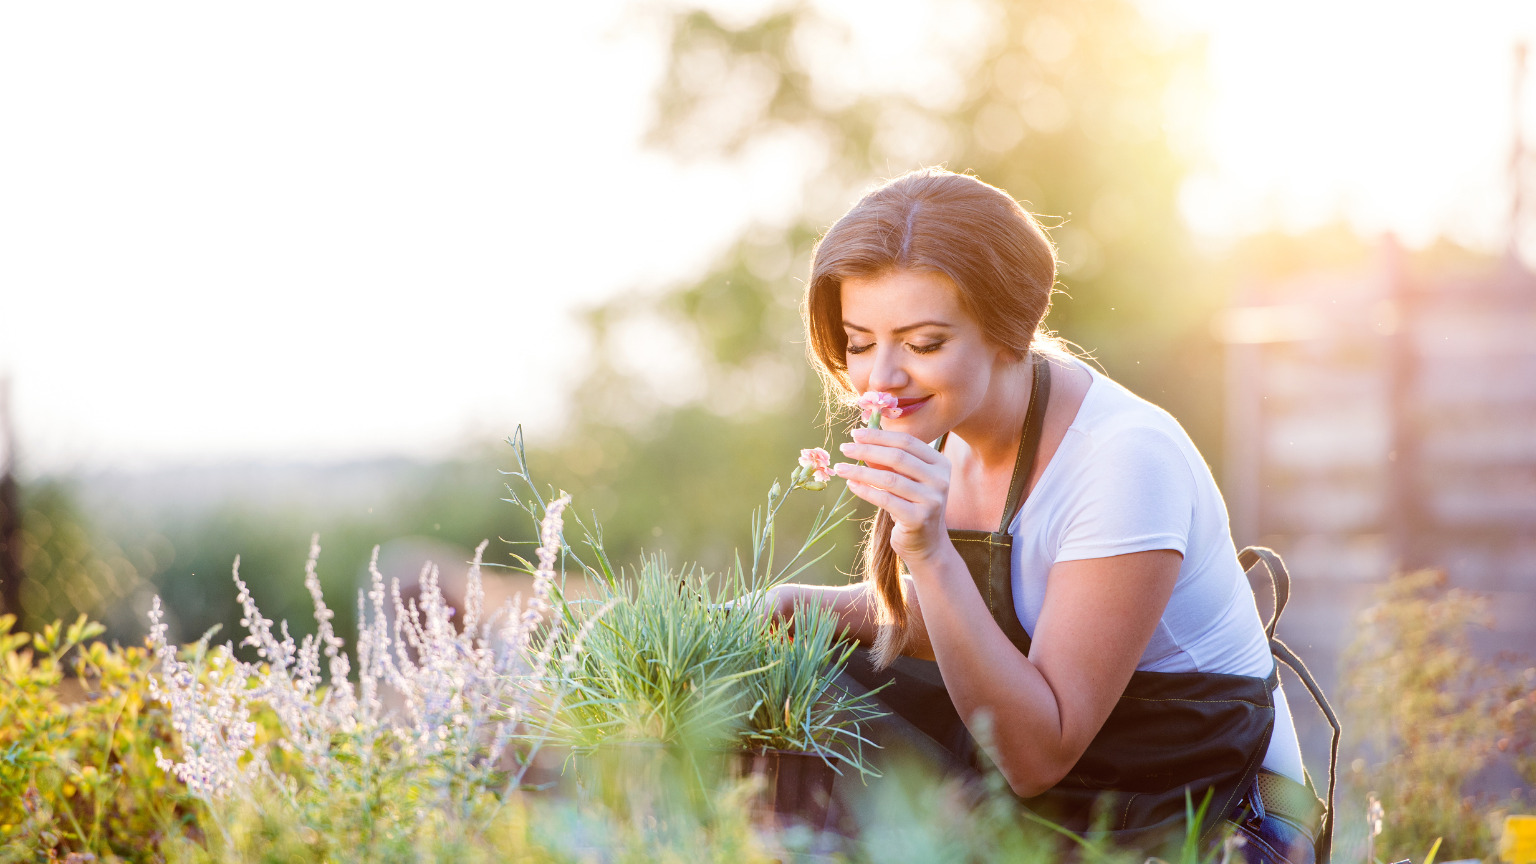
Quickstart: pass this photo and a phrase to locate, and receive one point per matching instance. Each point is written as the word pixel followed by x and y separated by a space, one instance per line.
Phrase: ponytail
pixel 882 572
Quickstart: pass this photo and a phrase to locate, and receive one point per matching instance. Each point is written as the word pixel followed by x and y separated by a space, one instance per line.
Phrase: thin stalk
pixel 820 528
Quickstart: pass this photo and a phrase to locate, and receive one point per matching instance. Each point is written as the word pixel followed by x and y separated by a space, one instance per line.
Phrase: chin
pixel 917 427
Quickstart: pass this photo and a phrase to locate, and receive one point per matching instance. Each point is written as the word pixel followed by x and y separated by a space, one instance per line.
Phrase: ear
pixel 1005 358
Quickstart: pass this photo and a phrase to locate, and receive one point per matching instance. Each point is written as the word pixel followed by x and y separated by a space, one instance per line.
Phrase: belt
pixel 1277 795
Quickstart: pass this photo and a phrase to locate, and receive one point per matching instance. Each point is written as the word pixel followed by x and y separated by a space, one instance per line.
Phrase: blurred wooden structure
pixel 1381 422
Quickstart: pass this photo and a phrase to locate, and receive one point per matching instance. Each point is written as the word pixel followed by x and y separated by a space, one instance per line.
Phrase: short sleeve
pixel 1135 493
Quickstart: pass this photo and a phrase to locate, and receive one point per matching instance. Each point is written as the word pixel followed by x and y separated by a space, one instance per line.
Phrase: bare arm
pixel 855 608
pixel 1096 621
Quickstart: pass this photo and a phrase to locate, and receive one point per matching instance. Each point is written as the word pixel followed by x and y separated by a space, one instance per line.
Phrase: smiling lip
pixel 908 406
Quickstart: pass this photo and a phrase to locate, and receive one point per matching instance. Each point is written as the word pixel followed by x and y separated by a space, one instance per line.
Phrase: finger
pixel 898 440
pixel 893 459
pixel 902 487
pixel 904 512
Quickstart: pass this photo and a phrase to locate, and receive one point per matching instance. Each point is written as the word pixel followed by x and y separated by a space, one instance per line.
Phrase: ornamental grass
pixel 677 657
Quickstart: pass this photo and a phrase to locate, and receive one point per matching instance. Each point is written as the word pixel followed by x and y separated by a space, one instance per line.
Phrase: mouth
pixel 909 406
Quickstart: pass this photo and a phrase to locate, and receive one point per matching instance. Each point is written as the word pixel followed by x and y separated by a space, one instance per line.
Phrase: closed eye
pixel 915 349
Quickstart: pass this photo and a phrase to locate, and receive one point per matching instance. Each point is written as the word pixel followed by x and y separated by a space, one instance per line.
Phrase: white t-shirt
pixel 1126 478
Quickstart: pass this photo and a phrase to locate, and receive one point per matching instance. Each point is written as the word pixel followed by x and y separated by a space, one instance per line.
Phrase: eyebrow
pixel 852 326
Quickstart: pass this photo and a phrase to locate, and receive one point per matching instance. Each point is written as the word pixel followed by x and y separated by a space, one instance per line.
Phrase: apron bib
pixel 1171 734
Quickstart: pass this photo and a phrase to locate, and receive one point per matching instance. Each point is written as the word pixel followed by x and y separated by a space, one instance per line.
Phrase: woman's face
pixel 909 336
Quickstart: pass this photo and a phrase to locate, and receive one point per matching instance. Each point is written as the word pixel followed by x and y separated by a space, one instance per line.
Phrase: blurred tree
pixel 1065 105
pixel 11 574
pixel 71 567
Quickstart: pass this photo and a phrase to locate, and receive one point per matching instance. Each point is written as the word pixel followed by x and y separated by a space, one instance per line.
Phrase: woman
pixel 1061 549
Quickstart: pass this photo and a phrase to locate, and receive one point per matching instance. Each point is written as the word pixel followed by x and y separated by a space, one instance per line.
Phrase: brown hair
pixel 930 220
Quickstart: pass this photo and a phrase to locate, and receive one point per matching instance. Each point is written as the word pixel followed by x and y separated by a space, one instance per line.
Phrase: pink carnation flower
pixel 878 401
pixel 819 462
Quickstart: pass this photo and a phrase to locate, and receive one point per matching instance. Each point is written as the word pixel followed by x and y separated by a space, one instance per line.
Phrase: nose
pixel 887 372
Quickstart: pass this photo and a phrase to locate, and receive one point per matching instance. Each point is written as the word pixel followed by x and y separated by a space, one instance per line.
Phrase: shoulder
pixel 1127 480
pixel 1115 424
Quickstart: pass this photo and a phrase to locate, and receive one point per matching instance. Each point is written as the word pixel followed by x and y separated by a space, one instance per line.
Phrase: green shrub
pixel 1433 714
pixel 78 772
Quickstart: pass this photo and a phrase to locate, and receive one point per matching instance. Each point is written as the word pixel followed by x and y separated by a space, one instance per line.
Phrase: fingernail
pixel 844 447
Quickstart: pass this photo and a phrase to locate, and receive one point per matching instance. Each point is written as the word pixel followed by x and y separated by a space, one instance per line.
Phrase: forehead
pixel 898 297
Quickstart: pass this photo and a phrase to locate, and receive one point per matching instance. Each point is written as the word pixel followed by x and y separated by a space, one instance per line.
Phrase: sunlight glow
pixel 1390 116
pixel 310 231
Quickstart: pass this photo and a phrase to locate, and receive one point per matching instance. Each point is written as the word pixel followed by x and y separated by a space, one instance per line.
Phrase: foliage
pixel 1517 721
pixel 427 724
pixel 278 764
pixel 77 755
pixel 1433 712
pixel 437 701
pixel 283 764
pixel 483 828
pixel 397 802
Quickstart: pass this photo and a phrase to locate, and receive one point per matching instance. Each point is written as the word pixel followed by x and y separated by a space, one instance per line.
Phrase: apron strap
pixel 1279 580
pixel 1289 658
pixel 1029 446
pixel 1280 587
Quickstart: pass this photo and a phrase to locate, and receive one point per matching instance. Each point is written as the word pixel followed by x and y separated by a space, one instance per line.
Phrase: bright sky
pixel 291 230
pixel 1393 115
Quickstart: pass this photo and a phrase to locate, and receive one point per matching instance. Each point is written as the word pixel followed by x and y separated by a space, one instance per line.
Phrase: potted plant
pixel 680 673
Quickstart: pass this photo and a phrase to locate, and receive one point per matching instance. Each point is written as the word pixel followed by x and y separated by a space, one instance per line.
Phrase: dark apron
pixel 1172 736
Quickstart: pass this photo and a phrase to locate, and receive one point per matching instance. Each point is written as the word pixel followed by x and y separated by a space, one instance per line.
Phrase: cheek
pixel 960 380
pixel 858 372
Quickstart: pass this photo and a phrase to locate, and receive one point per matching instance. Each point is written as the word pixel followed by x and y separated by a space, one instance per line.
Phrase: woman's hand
pixel 907 479
pixel 778 602
pixel 775 604
pixel 850 603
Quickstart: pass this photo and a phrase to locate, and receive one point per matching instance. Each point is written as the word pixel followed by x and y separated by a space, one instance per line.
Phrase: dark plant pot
pixel 796 786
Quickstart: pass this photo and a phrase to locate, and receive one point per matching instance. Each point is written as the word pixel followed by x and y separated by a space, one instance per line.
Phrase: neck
pixel 993 435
